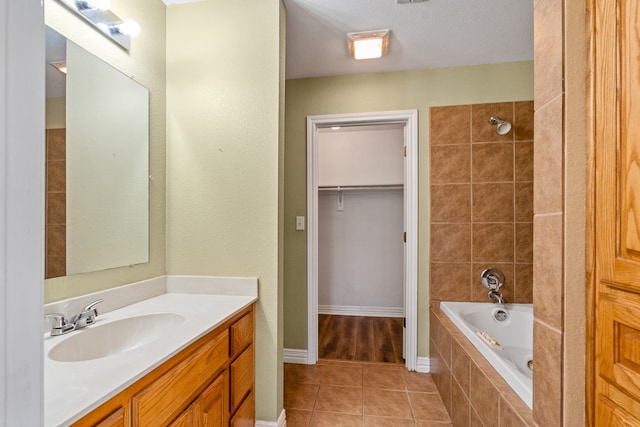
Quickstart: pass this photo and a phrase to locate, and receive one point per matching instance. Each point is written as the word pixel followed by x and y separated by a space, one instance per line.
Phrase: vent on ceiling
pixel 409 1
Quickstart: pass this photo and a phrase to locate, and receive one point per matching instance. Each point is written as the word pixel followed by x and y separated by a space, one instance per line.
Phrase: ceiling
pixel 424 34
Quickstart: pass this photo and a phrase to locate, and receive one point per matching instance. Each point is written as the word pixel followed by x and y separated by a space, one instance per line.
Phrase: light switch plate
pixel 300 223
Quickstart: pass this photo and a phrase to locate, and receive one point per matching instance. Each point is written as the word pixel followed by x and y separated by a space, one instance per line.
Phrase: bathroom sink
pixel 114 337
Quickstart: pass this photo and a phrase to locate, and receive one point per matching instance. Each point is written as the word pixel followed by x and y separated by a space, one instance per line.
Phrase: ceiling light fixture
pixel 368 44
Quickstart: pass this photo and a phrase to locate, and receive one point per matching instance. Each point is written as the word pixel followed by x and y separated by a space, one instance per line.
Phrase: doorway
pixel 407 120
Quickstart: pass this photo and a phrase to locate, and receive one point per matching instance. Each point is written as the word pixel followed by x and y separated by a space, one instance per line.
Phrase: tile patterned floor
pixel 353 394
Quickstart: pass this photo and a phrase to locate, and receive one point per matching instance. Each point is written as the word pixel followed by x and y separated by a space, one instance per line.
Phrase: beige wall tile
pixel 450 125
pixel 460 367
pixel 547 387
pixel 523 151
pixel 548 155
pixel 481 129
pixel 427 406
pixel 450 164
pixel 450 281
pixel 451 203
pixel 548 40
pixel 493 243
pixel 514 412
pixel 451 242
pixel 474 420
pixel 547 269
pixel 524 242
pixel 57 240
pixel 56 144
pixel 460 406
pixel 56 266
pixel 480 392
pixel 492 162
pixel 524 283
pixel 56 208
pixel 56 176
pixel 523 120
pixel 493 202
pixel 524 201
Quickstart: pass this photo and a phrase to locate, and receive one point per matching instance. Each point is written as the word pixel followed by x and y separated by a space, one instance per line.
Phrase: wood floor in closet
pixel 365 339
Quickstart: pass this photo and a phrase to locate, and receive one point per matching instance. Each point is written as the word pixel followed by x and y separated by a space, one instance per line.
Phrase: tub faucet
pixel 493 279
pixel 60 325
pixel 496 297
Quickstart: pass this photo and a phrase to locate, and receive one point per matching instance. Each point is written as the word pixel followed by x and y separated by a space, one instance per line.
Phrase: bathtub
pixel 504 336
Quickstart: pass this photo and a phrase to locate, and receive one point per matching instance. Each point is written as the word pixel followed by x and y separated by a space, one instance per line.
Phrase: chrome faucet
pixel 493 279
pixel 60 325
pixel 496 297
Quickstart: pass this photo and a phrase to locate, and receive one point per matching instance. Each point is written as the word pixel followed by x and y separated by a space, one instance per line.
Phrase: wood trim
pixel 410 118
pixel 590 262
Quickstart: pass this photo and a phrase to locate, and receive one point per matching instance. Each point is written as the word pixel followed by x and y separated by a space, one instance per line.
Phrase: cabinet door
pixel 213 403
pixel 188 418
pixel 616 86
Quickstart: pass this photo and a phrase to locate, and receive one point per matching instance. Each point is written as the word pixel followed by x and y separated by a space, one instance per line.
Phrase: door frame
pixel 410 119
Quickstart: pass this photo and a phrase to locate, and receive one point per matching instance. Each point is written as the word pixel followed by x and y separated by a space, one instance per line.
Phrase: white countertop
pixel 73 389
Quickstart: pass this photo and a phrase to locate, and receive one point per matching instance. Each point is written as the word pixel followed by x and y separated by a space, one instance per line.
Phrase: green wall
pixel 408 90
pixel 224 146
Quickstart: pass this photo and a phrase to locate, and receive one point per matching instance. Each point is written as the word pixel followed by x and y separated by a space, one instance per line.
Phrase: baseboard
pixel 350 310
pixel 282 421
pixel 423 365
pixel 292 355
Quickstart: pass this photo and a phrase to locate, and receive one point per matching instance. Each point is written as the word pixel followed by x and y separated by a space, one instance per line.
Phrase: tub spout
pixel 495 296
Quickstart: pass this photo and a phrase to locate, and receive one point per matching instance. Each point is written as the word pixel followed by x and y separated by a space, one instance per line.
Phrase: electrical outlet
pixel 300 223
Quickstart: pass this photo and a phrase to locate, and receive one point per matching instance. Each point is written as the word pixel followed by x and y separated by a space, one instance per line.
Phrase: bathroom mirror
pixel 97 154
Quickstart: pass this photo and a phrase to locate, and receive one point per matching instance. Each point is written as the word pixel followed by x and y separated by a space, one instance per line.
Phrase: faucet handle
pixel 91 305
pixel 59 324
pixel 58 320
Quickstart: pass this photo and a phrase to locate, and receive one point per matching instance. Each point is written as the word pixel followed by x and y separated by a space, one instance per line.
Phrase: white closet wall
pixel 360 231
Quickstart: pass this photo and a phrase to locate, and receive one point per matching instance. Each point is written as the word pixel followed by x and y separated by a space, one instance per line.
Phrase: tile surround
pixel 481 200
pixel 473 392
pixel 55 203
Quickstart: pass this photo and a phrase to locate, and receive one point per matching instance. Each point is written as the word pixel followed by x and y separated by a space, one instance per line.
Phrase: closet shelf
pixel 361 187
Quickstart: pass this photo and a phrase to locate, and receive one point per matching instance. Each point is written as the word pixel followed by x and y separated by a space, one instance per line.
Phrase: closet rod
pixel 361 187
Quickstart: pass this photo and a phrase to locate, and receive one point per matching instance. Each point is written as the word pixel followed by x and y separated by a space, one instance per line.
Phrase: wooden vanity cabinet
pixel 208 384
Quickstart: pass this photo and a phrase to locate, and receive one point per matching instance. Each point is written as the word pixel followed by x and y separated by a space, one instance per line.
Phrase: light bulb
pixel 129 27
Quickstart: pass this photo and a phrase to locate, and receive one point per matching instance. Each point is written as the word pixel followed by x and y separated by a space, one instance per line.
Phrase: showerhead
pixel 502 126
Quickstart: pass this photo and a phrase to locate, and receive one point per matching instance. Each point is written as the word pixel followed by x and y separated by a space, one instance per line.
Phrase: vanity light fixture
pixel 91 4
pixel 60 66
pixel 97 13
pixel 128 27
pixel 368 44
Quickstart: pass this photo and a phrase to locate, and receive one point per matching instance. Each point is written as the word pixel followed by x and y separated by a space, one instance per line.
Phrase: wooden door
pixel 616 221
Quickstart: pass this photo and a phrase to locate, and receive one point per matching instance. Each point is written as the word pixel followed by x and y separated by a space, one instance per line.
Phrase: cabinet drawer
pixel 245 416
pixel 241 334
pixel 161 400
pixel 241 377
